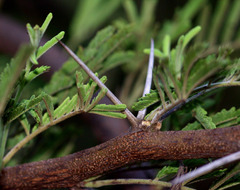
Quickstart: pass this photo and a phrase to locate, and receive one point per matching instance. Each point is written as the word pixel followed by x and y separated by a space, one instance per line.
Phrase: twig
pixel 101 183
pixel 132 119
pixel 168 110
pixel 39 130
pixel 148 82
pixel 208 168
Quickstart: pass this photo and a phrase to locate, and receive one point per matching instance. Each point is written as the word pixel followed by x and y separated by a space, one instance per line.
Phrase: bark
pixel 123 150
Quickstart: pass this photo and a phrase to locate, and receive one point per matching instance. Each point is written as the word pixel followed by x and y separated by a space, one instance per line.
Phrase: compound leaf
pixel 23 107
pixel 109 114
pixel 147 100
pixel 201 115
pixel 11 74
pixel 166 170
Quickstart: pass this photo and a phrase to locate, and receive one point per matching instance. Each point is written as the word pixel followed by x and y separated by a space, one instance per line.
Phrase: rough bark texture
pixel 123 150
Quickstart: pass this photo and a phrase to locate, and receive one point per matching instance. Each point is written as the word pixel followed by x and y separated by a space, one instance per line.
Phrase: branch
pixel 123 150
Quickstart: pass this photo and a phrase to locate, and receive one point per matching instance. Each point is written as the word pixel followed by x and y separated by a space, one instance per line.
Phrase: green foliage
pixel 224 18
pixel 233 173
pixel 227 118
pixel 36 72
pixel 180 74
pixel 36 33
pixel 23 107
pixel 182 20
pixel 146 101
pixel 17 75
pixel 110 110
pixel 90 15
pixel 166 170
pixel 49 44
pixel 11 74
pixel 100 55
pixel 224 118
pixel 201 115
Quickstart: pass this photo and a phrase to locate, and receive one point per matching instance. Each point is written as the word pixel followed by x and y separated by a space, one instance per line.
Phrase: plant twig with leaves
pixel 181 75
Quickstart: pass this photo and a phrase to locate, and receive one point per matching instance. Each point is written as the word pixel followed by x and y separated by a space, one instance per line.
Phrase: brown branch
pixel 127 149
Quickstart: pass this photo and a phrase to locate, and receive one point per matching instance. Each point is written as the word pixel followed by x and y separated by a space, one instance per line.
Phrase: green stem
pixel 101 183
pixel 18 93
pixel 39 130
pixel 4 133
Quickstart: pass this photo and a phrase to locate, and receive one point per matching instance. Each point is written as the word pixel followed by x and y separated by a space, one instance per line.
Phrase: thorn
pixel 148 83
pixel 207 168
pixel 132 119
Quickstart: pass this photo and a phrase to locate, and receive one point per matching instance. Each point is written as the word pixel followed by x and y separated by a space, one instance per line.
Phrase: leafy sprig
pixel 183 75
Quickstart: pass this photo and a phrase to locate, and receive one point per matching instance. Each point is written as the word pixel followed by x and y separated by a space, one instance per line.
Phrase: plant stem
pixel 148 82
pixel 3 139
pixel 101 183
pixel 132 119
pixel 39 130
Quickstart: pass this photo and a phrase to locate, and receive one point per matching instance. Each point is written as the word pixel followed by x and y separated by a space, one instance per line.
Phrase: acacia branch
pixel 123 150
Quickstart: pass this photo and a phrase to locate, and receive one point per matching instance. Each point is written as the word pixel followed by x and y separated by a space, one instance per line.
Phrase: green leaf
pixel 94 102
pixel 175 64
pixel 45 24
pixel 201 115
pixel 101 37
pixel 116 59
pixel 131 10
pixel 60 110
pixel 90 15
pixel 166 45
pixel 37 115
pixel 90 92
pixel 66 107
pixel 166 170
pixel 11 74
pixel 31 32
pixel 226 118
pixel 157 53
pixel 216 21
pixel 203 69
pixel 72 104
pixel 108 47
pixel 36 72
pixel 192 126
pixel 232 22
pixel 146 101
pixel 109 114
pixel 26 125
pixel 104 107
pixel 23 107
pixel 182 20
pixel 42 49
pixel 191 34
pixel 49 106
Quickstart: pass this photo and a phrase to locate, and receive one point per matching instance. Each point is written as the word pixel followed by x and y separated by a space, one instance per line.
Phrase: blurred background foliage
pixel 81 20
